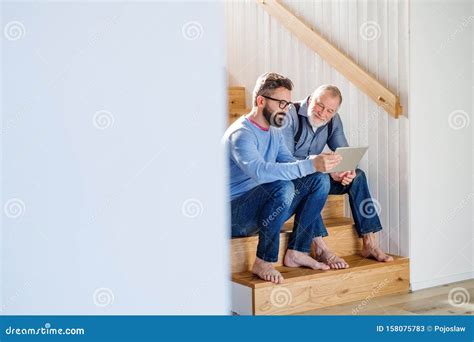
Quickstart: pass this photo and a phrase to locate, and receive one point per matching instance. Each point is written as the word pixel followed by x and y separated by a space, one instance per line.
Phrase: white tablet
pixel 351 156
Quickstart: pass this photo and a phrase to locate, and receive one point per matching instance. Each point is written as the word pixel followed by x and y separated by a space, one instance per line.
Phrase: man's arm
pixel 337 138
pixel 284 154
pixel 244 152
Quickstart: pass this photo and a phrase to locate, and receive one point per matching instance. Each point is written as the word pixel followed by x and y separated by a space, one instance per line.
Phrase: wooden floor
pixel 433 301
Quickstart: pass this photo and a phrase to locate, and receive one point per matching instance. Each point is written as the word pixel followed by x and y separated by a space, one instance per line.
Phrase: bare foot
pixel 296 259
pixel 324 255
pixel 375 253
pixel 371 250
pixel 266 271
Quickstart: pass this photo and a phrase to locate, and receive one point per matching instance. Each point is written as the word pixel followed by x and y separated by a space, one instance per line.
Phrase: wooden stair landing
pixel 292 274
pixel 305 289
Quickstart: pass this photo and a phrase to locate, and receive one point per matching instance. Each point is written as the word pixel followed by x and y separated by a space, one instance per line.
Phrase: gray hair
pixel 332 89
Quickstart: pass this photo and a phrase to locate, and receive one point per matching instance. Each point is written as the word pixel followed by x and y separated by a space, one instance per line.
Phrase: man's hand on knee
pixel 338 176
pixel 348 177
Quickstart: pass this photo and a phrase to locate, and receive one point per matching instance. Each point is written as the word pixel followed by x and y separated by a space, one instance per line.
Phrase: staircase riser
pixel 358 287
pixel 236 98
pixel 341 241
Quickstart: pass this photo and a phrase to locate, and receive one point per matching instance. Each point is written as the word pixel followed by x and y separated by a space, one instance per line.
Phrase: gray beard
pixel 315 124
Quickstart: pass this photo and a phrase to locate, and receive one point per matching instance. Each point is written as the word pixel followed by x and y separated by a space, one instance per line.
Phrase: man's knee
pixel 360 176
pixel 282 190
pixel 320 182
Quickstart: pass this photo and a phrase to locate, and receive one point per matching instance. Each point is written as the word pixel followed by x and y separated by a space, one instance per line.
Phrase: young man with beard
pixel 268 185
pixel 312 124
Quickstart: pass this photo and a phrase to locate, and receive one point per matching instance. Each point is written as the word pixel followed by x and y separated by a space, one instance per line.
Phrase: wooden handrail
pixel 385 98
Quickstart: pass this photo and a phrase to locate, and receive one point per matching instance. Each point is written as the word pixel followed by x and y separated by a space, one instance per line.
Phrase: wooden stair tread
pixel 292 275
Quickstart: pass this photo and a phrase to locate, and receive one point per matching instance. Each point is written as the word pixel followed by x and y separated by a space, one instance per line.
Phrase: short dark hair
pixel 268 82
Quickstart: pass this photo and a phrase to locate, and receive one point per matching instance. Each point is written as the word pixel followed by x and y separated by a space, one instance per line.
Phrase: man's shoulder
pixel 238 129
pixel 336 120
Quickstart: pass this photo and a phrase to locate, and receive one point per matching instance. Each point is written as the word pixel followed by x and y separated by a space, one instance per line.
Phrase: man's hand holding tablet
pixel 341 164
pixel 351 156
pixel 324 162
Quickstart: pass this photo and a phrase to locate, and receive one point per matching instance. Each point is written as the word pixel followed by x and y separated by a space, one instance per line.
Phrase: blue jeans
pixel 265 208
pixel 364 212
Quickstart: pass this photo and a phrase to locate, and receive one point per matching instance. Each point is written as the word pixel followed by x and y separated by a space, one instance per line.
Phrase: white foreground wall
pixel 113 178
pixel 441 145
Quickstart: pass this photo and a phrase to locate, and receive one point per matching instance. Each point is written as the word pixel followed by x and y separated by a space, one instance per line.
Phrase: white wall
pixel 113 178
pixel 375 35
pixel 441 129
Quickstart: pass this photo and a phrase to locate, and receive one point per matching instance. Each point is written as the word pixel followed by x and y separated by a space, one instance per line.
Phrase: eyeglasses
pixel 281 103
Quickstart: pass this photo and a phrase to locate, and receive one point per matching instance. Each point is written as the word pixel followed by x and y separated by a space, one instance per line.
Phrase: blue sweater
pixel 258 157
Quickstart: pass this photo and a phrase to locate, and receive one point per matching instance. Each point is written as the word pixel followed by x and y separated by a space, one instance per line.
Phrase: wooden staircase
pixel 306 289
pixel 236 103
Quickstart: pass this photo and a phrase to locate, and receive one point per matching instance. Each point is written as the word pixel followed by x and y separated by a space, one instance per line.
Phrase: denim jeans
pixel 364 212
pixel 265 208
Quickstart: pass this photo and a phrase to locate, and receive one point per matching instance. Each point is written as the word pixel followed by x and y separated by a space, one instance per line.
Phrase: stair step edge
pixel 246 278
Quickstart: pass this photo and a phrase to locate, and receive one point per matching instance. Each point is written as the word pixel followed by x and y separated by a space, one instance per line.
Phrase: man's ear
pixel 260 101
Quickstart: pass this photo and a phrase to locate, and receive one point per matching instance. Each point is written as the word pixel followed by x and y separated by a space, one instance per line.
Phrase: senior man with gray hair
pixel 312 124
